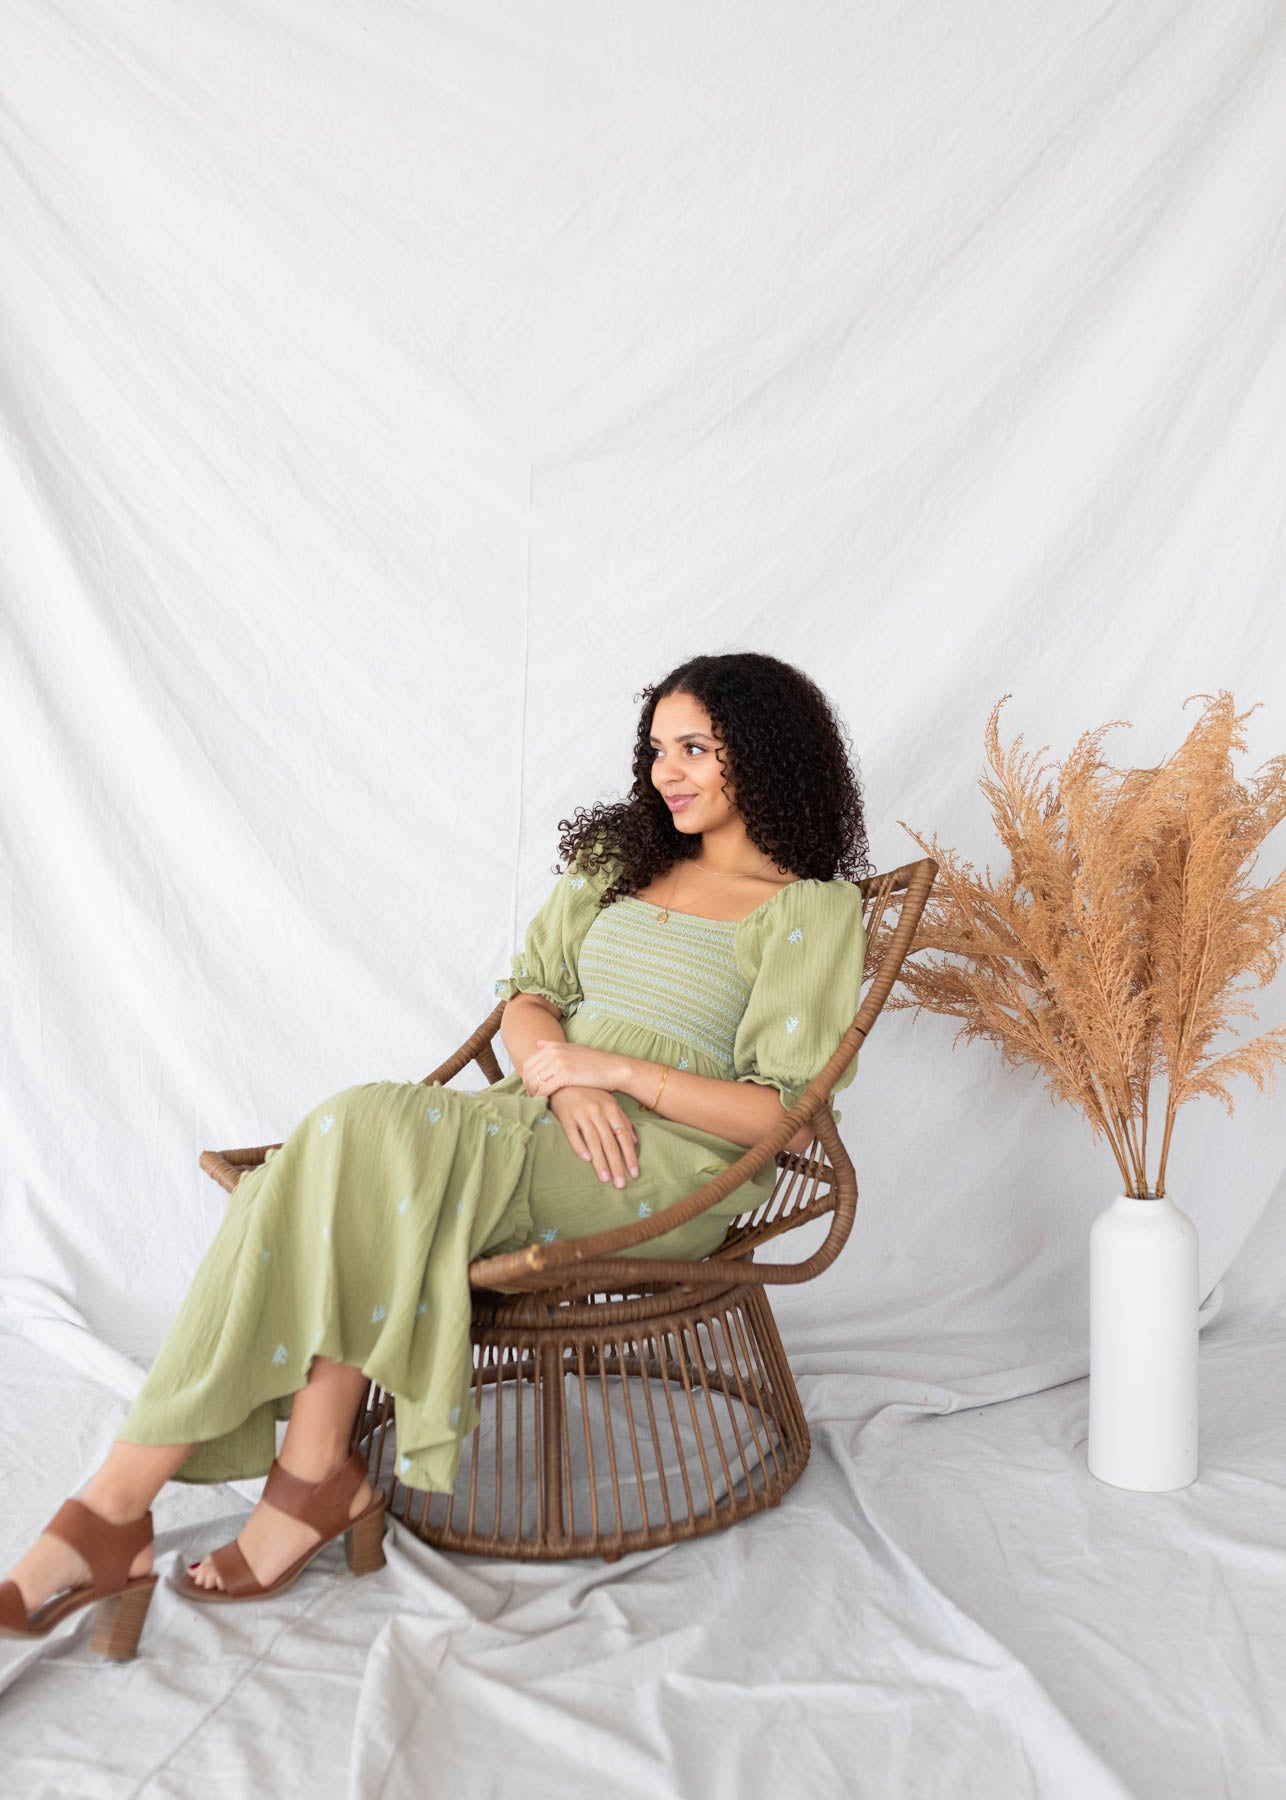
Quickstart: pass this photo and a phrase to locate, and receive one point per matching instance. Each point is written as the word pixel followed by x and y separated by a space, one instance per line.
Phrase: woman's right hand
pixel 588 1116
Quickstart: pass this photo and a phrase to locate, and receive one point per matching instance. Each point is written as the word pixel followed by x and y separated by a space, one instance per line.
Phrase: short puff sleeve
pixel 804 952
pixel 547 963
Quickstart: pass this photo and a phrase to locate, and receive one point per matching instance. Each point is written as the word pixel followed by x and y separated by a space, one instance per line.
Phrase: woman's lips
pixel 679 801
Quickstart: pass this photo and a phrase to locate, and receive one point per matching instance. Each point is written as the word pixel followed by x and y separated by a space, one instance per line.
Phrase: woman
pixel 692 969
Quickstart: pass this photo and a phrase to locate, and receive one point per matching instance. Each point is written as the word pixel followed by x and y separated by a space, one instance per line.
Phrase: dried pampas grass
pixel 1109 953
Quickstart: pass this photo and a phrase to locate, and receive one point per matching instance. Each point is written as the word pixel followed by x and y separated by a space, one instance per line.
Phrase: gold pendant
pixel 661 917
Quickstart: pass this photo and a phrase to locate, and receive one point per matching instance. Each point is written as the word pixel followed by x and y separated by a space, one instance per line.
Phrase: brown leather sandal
pixel 120 1600
pixel 323 1505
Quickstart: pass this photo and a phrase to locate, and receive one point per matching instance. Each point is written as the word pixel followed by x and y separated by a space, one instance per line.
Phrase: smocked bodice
pixel 680 978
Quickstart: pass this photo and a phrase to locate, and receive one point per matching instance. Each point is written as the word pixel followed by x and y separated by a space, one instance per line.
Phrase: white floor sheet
pixel 387 393
pixel 947 1603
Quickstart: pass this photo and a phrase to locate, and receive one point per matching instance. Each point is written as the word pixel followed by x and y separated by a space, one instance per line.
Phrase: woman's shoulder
pixel 808 903
pixel 807 895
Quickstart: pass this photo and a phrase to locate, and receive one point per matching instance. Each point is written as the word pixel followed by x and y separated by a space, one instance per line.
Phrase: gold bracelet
pixel 652 1108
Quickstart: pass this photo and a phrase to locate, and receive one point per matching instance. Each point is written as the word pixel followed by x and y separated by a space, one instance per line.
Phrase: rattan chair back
pixel 676 1364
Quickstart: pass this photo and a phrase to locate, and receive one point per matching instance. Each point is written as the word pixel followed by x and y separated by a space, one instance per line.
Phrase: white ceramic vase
pixel 1143 1345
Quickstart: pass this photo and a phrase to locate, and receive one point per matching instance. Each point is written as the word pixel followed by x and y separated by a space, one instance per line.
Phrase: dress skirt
pixel 353 1241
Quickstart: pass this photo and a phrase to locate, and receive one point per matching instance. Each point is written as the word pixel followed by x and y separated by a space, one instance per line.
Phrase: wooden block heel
pixel 118 1620
pixel 364 1542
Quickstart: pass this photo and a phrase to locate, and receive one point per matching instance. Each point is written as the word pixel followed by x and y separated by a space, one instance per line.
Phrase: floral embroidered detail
pixel 459 1208
pixel 403 1203
pixel 499 987
pixel 549 1233
pixel 325 1234
pixel 566 970
pixel 791 1023
pixel 545 1119
pixel 404 1463
pixel 280 1355
pixel 492 1128
pixel 265 1255
pixel 377 1313
pixel 453 1417
pixel 796 936
pixel 523 969
pixel 644 1209
pixel 577 881
pixel 421 1309
pixel 324 1125
pixel 203 1381
pixel 682 1063
pixel 435 1113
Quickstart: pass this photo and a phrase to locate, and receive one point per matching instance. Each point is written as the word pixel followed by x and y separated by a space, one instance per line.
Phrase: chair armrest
pixel 475 1048
pixel 228 1166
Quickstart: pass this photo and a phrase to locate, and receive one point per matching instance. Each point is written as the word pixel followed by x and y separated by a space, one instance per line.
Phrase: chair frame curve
pixel 551 1309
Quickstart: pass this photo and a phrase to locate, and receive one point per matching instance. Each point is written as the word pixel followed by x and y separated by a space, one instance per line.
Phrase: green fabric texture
pixel 353 1240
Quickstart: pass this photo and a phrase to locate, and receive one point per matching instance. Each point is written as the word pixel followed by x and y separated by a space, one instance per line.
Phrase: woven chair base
pixel 610 1423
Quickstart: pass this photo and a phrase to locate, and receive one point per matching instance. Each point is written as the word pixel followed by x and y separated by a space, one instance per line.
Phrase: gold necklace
pixel 662 917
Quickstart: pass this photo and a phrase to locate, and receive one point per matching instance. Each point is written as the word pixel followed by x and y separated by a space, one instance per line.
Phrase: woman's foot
pixel 51 1566
pixel 270 1540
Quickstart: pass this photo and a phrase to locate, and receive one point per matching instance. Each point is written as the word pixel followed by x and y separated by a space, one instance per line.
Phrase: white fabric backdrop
pixel 386 396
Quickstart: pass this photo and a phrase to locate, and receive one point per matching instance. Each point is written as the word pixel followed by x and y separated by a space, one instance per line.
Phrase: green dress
pixel 353 1240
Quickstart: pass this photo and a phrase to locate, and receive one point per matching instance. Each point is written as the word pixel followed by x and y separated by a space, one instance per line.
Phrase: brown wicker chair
pixel 697 1339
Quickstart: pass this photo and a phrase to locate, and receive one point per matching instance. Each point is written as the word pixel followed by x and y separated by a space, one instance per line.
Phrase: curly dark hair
pixel 788 755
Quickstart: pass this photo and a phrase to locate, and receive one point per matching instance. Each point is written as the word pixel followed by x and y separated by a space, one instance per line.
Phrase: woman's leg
pixel 315 1445
pixel 131 1476
pixel 123 1487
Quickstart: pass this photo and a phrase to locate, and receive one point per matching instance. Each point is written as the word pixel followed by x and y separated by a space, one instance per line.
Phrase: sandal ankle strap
pixel 109 1549
pixel 322 1504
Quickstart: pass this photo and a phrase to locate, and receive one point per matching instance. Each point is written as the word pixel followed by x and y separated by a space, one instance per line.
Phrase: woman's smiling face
pixel 685 762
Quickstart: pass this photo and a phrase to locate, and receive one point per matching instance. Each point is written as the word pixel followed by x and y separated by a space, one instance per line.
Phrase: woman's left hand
pixel 555 1064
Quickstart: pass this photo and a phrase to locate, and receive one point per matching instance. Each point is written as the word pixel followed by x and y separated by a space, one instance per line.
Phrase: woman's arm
pixel 525 1018
pixel 741 1111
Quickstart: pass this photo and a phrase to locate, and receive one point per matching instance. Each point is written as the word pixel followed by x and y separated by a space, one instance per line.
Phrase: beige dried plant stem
pixel 1110 950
